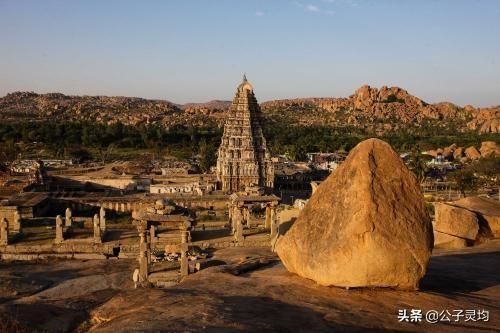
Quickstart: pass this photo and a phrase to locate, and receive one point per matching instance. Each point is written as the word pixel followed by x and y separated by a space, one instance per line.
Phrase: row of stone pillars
pixel 239 215
pixel 62 227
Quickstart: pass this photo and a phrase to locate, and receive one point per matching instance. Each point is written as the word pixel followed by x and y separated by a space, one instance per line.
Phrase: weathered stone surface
pixel 458 153
pixel 472 153
pixel 489 148
pixel 445 241
pixel 456 221
pixel 487 209
pixel 365 226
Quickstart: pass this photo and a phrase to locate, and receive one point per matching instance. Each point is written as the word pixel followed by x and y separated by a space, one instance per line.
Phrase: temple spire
pixel 243 158
pixel 245 78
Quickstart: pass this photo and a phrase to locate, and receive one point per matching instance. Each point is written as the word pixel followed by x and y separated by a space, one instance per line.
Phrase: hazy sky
pixel 193 51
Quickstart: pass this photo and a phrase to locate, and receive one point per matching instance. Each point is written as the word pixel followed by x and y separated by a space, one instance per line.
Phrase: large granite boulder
pixel 446 241
pixel 472 153
pixel 456 221
pixel 489 148
pixel 365 226
pixel 458 153
pixel 488 211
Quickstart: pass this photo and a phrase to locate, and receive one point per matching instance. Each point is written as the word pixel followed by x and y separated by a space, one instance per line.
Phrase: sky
pixel 197 50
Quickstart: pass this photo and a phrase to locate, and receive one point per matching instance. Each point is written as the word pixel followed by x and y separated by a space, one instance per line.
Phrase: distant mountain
pixel 215 104
pixel 375 110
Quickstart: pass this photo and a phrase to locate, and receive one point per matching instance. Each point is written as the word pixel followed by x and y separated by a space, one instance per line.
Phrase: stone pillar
pixel 246 215
pixel 184 257
pixel 17 222
pixel 267 225
pixel 69 217
pixel 144 256
pixel 59 229
pixel 238 235
pixel 152 234
pixel 234 218
pixel 102 218
pixel 4 232
pixel 97 229
pixel 122 207
pixel 274 222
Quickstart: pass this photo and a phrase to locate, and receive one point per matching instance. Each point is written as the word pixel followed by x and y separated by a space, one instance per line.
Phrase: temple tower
pixel 243 159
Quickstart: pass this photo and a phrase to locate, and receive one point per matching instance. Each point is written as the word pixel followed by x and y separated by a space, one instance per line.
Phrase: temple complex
pixel 243 158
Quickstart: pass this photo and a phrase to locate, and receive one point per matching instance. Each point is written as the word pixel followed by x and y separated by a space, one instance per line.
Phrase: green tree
pixel 207 154
pixel 9 151
pixel 464 179
pixel 418 164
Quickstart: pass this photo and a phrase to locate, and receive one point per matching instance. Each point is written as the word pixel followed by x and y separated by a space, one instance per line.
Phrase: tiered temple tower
pixel 243 159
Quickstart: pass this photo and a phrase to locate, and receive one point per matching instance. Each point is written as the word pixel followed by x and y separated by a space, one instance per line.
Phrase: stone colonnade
pixel 64 227
pixel 111 205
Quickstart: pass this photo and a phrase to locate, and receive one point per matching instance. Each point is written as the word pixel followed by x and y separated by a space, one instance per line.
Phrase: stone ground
pixel 98 296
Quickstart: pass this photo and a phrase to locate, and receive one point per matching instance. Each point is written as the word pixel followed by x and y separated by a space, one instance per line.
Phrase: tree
pixel 465 180
pixel 8 151
pixel 488 167
pixel 207 155
pixel 105 152
pixel 418 164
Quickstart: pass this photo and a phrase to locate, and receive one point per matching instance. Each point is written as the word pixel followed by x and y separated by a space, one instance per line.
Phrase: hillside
pixel 385 109
pixel 374 110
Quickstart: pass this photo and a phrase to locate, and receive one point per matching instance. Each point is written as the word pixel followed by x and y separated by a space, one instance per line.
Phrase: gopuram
pixel 243 158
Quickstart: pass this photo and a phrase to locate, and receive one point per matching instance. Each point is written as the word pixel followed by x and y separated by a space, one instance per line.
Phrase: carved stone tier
pixel 243 158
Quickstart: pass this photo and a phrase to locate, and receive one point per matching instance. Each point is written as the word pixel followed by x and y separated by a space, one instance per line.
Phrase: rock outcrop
pixel 488 211
pixel 489 148
pixel 472 153
pixel 466 222
pixel 456 221
pixel 446 241
pixel 365 226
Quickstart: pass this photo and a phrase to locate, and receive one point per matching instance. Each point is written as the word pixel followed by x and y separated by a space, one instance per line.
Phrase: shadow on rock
pixel 264 314
pixel 461 273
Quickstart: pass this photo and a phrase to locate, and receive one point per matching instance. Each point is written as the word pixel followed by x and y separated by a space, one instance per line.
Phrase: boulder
pixel 432 153
pixel 458 153
pixel 365 226
pixel 445 241
pixel 489 148
pixel 472 153
pixel 488 211
pixel 448 153
pixel 456 221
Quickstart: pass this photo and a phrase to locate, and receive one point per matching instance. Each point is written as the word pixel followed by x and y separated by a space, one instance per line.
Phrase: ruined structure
pixel 175 223
pixel 240 206
pixel 243 159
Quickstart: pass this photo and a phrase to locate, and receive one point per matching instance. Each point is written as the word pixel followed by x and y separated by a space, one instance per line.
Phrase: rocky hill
pixel 375 110
pixel 127 110
pixel 385 109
